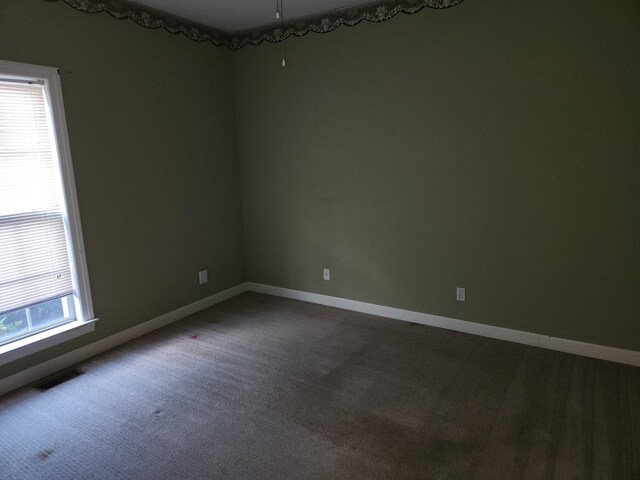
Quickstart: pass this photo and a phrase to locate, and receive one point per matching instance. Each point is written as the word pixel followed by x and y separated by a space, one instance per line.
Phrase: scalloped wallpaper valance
pixel 350 16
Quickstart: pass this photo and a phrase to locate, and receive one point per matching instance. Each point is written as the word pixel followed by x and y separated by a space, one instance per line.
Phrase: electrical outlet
pixel 326 274
pixel 460 294
pixel 203 277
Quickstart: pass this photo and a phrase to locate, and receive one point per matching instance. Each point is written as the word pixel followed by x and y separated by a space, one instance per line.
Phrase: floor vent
pixel 58 378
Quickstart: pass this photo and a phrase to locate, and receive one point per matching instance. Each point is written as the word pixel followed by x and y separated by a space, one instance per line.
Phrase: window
pixel 44 289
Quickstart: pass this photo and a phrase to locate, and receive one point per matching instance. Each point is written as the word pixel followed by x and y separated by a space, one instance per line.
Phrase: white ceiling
pixel 237 15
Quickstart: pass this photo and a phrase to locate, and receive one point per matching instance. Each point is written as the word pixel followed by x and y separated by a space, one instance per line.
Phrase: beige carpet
pixel 265 388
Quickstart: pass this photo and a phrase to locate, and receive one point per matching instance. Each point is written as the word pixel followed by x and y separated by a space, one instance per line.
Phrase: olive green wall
pixel 150 119
pixel 494 146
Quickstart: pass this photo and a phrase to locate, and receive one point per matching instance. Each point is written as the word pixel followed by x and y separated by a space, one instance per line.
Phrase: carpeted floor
pixel 260 387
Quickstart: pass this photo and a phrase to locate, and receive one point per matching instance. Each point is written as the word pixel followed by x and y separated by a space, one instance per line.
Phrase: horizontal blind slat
pixel 34 258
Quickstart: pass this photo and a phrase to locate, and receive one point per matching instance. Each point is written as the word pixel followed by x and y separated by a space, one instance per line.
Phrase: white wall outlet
pixel 326 274
pixel 460 294
pixel 203 277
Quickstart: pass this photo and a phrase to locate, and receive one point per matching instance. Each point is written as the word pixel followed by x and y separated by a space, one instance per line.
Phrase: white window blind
pixel 35 262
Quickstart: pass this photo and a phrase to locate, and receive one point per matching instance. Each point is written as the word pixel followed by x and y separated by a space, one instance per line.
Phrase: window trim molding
pixel 43 340
pixel 50 76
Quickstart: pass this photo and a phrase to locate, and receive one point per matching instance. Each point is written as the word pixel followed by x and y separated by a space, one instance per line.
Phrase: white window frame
pixel 85 321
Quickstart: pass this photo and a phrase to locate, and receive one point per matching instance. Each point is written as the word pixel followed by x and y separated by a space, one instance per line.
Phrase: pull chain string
pixel 277 9
pixel 284 48
pixel 284 54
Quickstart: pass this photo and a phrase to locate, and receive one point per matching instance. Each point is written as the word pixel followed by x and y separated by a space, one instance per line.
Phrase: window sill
pixel 40 341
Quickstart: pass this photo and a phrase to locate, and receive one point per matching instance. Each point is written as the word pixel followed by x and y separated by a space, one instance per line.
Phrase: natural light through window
pixel 43 280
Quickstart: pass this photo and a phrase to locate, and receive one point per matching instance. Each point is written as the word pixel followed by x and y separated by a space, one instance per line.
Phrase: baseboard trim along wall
pixel 44 369
pixel 40 371
pixel 602 352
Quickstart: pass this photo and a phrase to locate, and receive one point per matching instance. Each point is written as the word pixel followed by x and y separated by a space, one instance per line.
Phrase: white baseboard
pixel 41 370
pixel 602 352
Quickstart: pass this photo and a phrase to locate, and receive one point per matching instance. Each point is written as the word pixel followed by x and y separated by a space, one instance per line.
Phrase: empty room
pixel 319 239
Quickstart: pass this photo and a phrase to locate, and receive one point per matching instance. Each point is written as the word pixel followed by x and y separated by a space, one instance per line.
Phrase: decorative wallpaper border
pixel 150 18
pixel 379 11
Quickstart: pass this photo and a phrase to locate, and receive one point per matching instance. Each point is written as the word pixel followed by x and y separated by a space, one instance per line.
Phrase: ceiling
pixel 239 15
pixel 237 23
